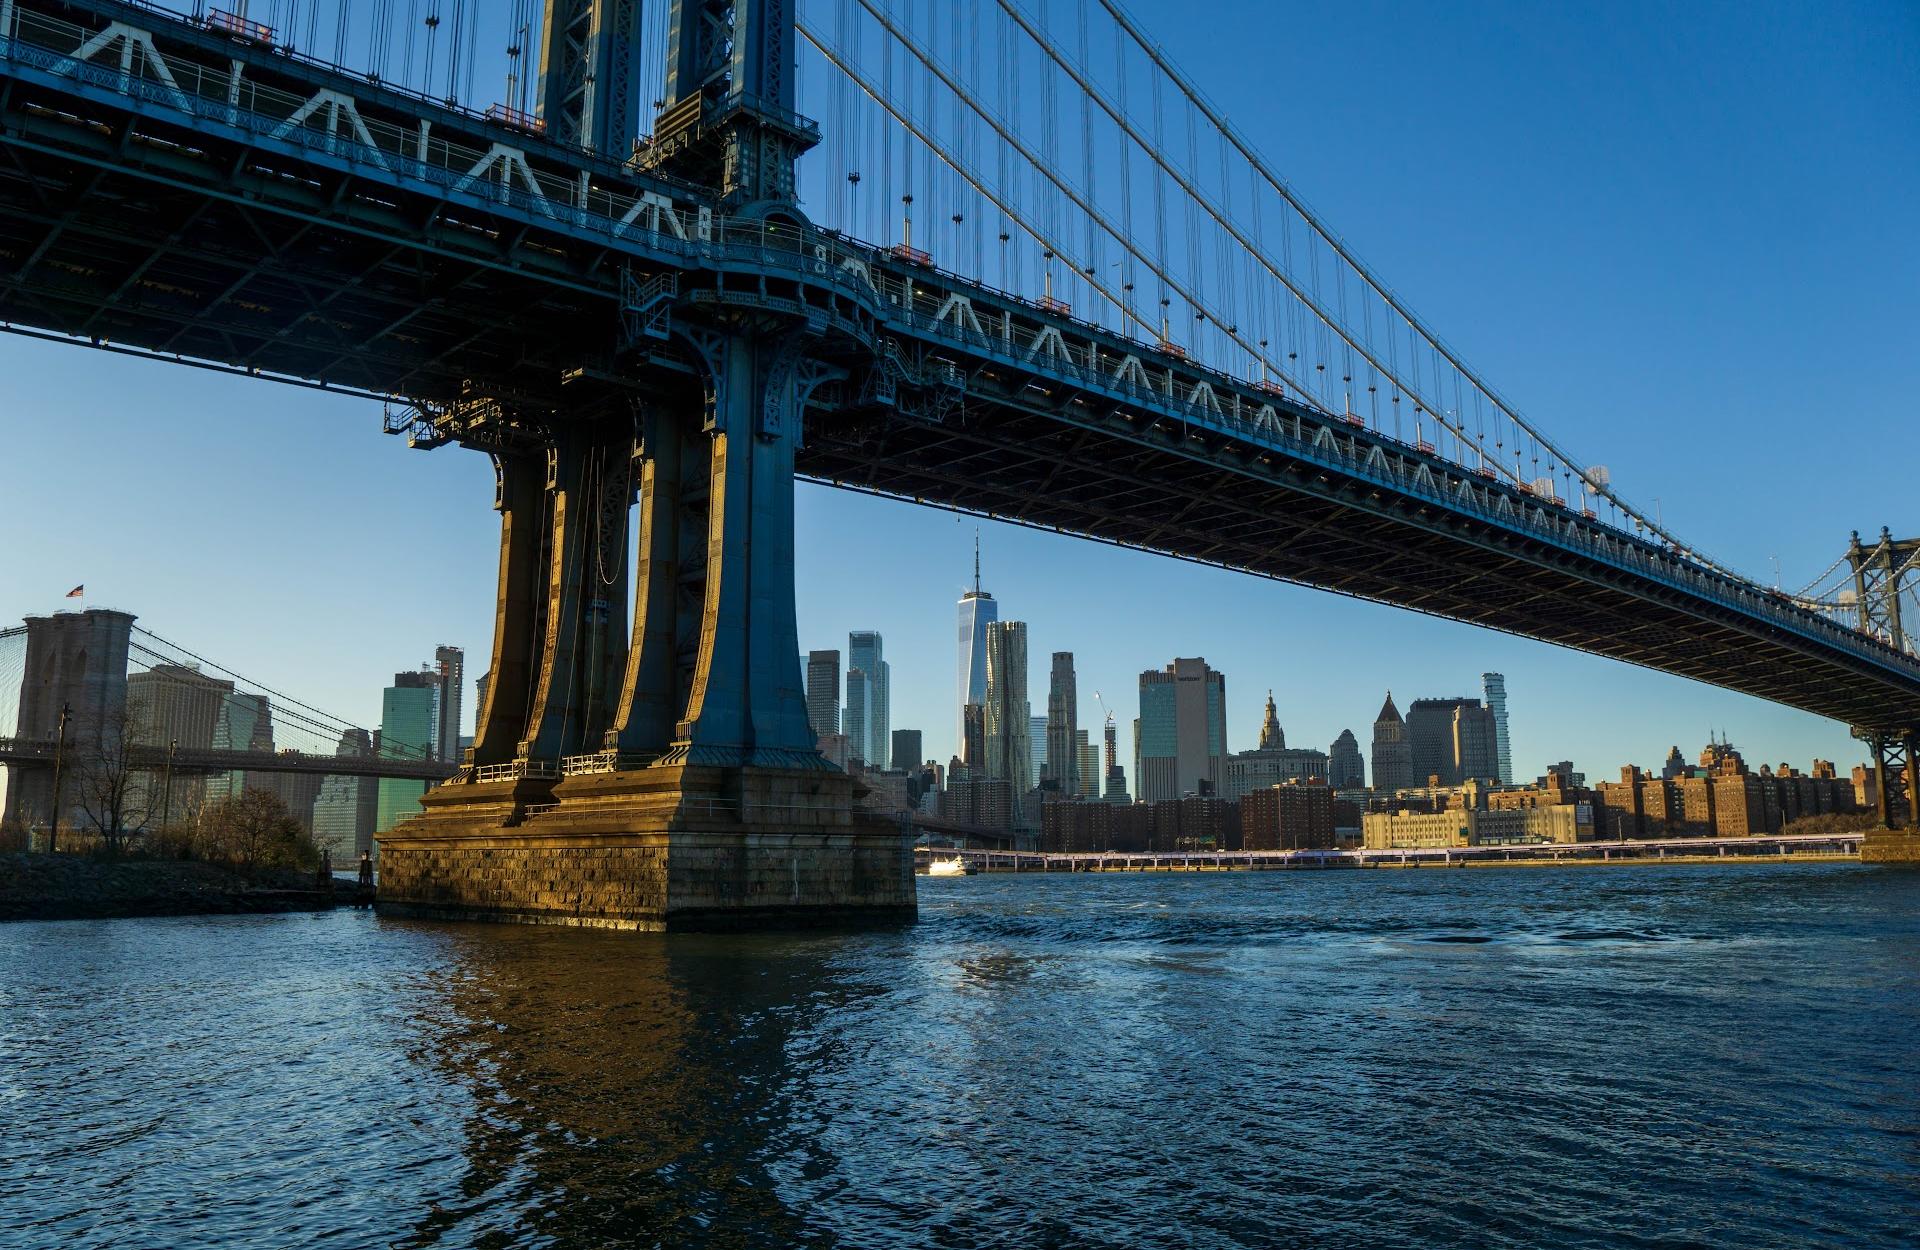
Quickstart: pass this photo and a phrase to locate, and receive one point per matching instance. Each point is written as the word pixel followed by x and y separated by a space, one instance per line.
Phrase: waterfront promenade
pixel 1772 847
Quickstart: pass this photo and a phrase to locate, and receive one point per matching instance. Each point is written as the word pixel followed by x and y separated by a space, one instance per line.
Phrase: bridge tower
pixel 590 74
pixel 1882 574
pixel 664 776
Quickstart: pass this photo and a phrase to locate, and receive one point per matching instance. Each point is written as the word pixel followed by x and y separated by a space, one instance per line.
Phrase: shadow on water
pixel 624 1090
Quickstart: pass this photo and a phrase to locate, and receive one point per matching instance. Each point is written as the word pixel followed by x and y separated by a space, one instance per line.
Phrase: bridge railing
pixel 347 127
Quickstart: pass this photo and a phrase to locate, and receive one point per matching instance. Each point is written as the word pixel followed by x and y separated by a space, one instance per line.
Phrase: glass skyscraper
pixel 1494 686
pixel 977 611
pixel 346 807
pixel 408 717
pixel 859 711
pixel 866 652
pixel 1009 716
pixel 245 723
pixel 1062 721
pixel 1180 740
pixel 823 692
pixel 451 664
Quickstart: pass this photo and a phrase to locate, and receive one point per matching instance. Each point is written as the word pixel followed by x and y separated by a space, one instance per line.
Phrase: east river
pixel 1638 1056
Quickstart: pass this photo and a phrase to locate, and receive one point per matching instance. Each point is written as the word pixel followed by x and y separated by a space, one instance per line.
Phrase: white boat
pixel 953 867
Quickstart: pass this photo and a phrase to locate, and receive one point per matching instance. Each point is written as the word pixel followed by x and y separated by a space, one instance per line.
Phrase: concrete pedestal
pixel 1891 846
pixel 657 849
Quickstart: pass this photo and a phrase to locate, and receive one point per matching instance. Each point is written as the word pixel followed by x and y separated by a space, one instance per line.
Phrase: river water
pixel 1637 1056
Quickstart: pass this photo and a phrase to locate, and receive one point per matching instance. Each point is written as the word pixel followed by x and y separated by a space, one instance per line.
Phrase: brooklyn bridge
pixel 609 283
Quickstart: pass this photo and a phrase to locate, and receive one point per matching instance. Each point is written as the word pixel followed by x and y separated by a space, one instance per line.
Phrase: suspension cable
pixel 927 60
pixel 1155 152
pixel 1193 95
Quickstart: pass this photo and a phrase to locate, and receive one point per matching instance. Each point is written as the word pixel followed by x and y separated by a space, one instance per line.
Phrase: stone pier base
pixel 657 849
pixel 1891 846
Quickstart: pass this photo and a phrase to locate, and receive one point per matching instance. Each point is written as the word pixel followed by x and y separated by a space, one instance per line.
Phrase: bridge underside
pixel 1185 493
pixel 126 231
pixel 129 232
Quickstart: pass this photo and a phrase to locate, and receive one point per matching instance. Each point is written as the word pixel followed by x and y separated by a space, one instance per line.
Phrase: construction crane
pixel 1112 749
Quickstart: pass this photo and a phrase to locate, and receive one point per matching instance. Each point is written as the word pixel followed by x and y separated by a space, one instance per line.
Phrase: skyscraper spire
pixel 976 559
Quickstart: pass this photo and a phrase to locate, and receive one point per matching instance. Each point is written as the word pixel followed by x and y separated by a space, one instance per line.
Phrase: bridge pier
pixel 668 779
pixel 1896 756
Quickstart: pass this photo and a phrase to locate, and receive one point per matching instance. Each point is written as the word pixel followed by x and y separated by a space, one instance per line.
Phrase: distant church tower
pixel 1271 739
pixel 1392 750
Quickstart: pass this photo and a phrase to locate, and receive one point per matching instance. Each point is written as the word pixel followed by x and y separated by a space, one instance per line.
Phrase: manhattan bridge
pixel 1003 258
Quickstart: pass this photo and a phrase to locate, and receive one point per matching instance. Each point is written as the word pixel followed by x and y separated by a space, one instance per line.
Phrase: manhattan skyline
pixel 275 529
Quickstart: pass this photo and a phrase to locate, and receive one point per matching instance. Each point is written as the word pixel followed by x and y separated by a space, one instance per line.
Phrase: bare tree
pixel 114 796
pixel 254 829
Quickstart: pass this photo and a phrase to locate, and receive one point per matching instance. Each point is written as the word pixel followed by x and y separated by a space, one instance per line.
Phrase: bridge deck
pixel 415 252
pixel 39 753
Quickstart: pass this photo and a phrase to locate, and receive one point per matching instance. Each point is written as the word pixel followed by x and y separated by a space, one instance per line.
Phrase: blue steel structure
pixel 616 318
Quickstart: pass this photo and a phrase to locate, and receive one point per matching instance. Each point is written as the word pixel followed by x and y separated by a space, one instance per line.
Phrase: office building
pixel 823 692
pixel 1494 687
pixel 1037 746
pixel 859 710
pixel 866 652
pixel 1009 717
pixel 1346 769
pixel 1087 759
pixel 906 750
pixel 1392 753
pixel 973 738
pixel 173 703
pixel 1180 739
pixel 299 792
pixel 450 664
pixel 978 611
pixel 1466 826
pixel 1452 739
pixel 407 720
pixel 347 808
pixel 1062 771
pixel 1476 743
pixel 176 705
pixel 834 748
pixel 245 723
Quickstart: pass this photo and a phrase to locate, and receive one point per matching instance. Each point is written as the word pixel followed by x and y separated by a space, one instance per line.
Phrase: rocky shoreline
pixel 72 887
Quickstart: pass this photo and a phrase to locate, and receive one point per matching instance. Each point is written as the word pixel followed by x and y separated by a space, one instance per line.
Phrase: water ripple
pixel 1669 1057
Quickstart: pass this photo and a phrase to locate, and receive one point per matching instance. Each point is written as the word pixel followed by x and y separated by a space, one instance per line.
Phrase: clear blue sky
pixel 1679 237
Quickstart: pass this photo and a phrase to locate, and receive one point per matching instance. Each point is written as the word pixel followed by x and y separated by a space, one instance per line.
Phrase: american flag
pixel 77 592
